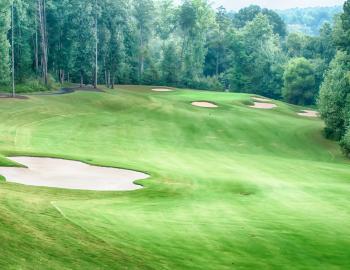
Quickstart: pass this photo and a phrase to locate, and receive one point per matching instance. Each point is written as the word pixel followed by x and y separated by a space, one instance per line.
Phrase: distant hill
pixel 308 20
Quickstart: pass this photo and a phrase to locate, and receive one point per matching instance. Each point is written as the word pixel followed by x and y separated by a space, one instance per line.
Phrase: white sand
pixel 162 89
pixel 308 113
pixel 259 105
pixel 204 104
pixel 59 173
pixel 261 99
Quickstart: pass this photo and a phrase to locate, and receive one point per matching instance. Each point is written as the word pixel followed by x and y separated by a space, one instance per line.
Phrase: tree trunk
pixel 12 52
pixel 217 63
pixel 81 79
pixel 106 79
pixel 141 57
pixel 109 78
pixel 96 49
pixel 61 76
pixel 112 80
pixel 43 34
pixel 36 49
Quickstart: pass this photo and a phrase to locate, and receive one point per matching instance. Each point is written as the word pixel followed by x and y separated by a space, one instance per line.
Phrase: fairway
pixel 230 187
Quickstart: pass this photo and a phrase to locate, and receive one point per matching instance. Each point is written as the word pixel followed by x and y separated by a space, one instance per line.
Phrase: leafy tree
pixel 299 82
pixel 195 18
pixel 4 44
pixel 248 14
pixel 333 100
pixel 169 64
pixel 345 143
pixel 257 59
pixel 345 20
pixel 216 61
pixel 83 46
pixel 144 19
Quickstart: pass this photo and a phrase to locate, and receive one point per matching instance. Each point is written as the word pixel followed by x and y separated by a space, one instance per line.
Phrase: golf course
pixel 230 186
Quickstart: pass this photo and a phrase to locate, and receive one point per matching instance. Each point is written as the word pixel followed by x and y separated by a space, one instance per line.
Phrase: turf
pixel 230 188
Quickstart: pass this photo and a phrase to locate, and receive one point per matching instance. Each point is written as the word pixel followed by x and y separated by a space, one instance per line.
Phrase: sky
pixel 275 4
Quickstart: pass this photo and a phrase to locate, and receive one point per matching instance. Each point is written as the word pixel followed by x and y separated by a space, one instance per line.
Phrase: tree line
pixel 188 45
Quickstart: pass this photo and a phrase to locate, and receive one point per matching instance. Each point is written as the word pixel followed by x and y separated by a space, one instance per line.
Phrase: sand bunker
pixel 259 105
pixel 59 173
pixel 162 89
pixel 204 104
pixel 261 99
pixel 308 113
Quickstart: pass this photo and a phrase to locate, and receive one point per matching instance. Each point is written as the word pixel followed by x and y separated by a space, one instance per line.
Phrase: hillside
pixel 308 20
pixel 231 187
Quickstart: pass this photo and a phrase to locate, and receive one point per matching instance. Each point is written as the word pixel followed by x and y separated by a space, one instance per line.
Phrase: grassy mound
pixel 230 188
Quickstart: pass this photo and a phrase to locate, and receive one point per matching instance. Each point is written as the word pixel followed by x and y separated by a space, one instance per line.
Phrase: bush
pixel 299 82
pixel 345 143
pixel 31 85
pixel 206 83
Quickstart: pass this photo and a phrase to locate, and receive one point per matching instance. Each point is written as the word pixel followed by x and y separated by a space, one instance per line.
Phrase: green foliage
pixel 299 82
pixel 170 63
pixel 345 21
pixel 248 14
pixel 333 101
pixel 308 20
pixel 4 44
pixel 31 85
pixel 257 59
pixel 345 143
pixel 195 19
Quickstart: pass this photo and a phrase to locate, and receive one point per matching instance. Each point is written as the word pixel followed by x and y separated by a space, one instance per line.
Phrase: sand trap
pixel 261 99
pixel 59 173
pixel 162 89
pixel 308 113
pixel 259 105
pixel 204 104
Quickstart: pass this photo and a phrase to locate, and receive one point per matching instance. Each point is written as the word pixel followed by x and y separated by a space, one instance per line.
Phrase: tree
pixel 43 38
pixel 144 19
pixel 4 43
pixel 12 51
pixel 299 82
pixel 83 22
pixel 334 96
pixel 257 59
pixel 345 19
pixel 216 59
pixel 195 18
pixel 169 63
pixel 248 14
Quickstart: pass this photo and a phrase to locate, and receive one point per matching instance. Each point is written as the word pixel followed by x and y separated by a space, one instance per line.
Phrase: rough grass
pixel 231 188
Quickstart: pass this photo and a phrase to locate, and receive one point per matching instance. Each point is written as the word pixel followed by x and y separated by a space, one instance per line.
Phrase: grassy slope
pixel 231 188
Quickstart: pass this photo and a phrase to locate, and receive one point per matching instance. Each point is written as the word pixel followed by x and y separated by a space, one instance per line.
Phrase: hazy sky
pixel 275 4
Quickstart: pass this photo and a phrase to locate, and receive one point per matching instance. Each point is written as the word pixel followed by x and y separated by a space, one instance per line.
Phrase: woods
pixel 189 45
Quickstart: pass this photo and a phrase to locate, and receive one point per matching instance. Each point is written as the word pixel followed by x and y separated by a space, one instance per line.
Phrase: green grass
pixel 230 188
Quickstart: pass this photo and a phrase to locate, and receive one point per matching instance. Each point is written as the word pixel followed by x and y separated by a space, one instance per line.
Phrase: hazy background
pixel 273 4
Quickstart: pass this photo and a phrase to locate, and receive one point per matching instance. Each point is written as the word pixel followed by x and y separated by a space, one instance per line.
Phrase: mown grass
pixel 230 188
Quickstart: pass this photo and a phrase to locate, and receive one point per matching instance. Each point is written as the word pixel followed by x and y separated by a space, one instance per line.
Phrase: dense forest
pixel 189 45
pixel 308 20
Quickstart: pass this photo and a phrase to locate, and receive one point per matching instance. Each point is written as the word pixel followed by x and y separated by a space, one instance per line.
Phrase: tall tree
pixel 96 45
pixel 144 18
pixel 334 97
pixel 256 59
pixel 83 21
pixel 43 37
pixel 12 50
pixel 4 44
pixel 195 18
